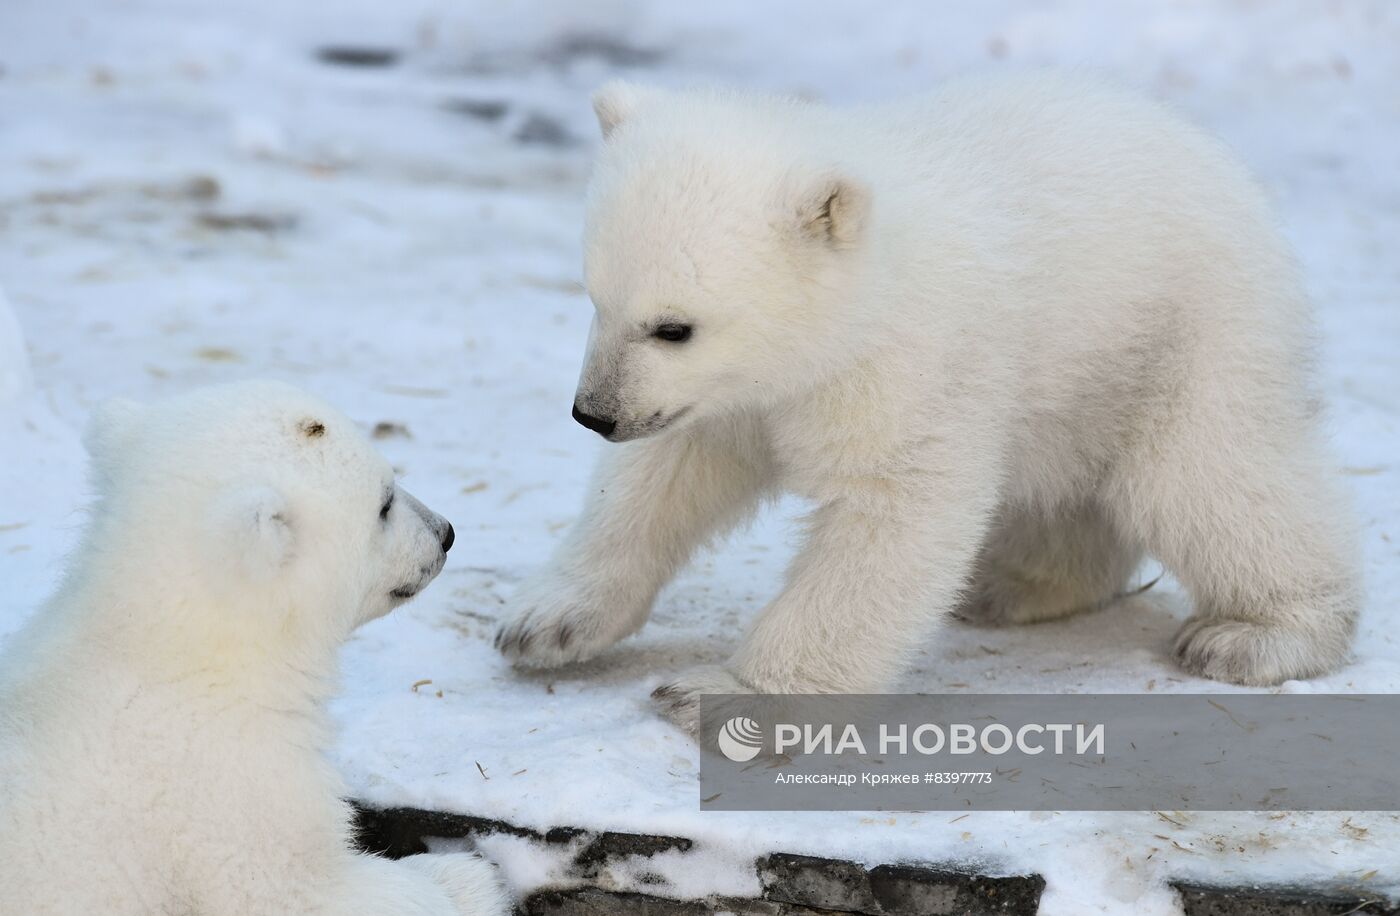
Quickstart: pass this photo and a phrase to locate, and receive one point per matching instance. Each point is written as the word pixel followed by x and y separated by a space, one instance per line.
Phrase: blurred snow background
pixel 381 202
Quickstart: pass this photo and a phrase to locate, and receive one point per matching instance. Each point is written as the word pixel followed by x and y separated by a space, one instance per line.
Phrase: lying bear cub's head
pixel 256 506
pixel 720 248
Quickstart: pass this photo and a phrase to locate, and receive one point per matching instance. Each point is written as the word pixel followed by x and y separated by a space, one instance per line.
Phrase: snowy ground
pixel 188 194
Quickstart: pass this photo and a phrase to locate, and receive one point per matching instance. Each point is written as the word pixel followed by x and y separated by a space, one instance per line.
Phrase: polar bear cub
pixel 162 719
pixel 1006 337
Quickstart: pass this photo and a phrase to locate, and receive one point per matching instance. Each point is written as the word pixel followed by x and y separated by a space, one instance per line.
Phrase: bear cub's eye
pixel 675 333
pixel 384 510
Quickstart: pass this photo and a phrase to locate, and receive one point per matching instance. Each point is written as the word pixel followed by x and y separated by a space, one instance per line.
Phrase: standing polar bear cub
pixel 162 718
pixel 1007 337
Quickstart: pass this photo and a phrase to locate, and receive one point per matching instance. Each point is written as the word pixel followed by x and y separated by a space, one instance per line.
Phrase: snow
pixel 40 480
pixel 188 195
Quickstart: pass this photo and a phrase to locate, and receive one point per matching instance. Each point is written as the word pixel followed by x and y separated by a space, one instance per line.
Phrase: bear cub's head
pixel 724 235
pixel 253 510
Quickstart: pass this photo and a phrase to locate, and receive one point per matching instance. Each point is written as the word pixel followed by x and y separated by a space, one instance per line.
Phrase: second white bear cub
pixel 1007 337
pixel 162 719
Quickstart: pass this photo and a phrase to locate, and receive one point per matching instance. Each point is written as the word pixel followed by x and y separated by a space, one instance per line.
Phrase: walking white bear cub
pixel 162 719
pixel 1007 337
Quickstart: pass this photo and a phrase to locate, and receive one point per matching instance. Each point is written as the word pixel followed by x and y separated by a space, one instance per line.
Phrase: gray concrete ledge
pixel 807 886
pixel 1278 901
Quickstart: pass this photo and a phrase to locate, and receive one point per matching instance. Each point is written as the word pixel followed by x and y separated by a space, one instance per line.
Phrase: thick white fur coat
pixel 1008 337
pixel 162 719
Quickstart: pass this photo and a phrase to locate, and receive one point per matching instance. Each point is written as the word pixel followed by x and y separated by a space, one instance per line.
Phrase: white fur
pixel 1007 337
pixel 162 719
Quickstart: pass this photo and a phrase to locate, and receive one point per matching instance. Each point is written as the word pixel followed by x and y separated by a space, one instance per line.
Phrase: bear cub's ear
pixel 252 531
pixel 615 102
pixel 833 209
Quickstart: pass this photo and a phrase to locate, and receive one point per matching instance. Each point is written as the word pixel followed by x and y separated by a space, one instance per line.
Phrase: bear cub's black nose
pixel 448 538
pixel 597 424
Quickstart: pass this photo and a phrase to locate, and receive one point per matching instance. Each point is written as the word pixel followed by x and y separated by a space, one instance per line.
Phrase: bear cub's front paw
pixel 678 701
pixel 553 624
pixel 472 884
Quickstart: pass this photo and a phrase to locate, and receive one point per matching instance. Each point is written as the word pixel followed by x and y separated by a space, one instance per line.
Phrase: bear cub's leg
pixel 651 505
pixel 883 563
pixel 445 884
pixel 1246 517
pixel 1039 565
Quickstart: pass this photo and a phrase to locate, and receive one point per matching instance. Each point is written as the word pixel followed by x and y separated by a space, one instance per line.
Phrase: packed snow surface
pixel 383 205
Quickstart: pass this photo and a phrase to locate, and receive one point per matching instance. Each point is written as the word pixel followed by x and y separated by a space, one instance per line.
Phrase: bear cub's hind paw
pixel 1255 653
